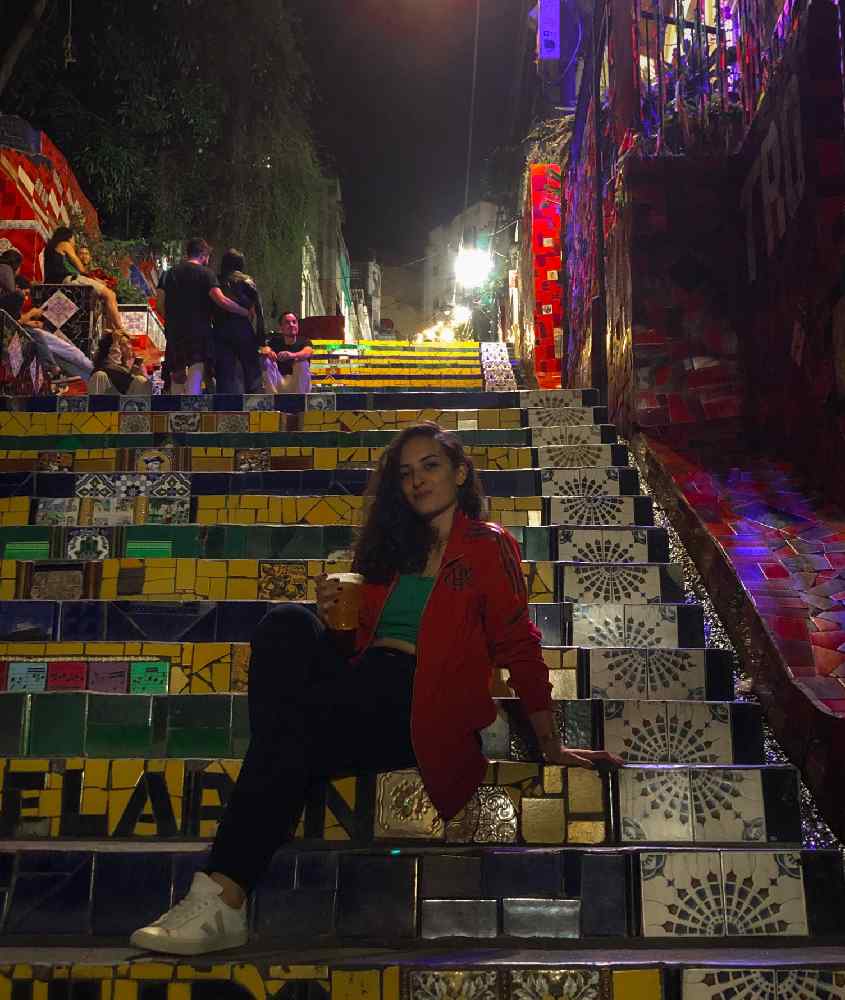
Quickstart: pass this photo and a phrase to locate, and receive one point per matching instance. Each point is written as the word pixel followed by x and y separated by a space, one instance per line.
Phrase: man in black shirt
pixel 185 296
pixel 286 364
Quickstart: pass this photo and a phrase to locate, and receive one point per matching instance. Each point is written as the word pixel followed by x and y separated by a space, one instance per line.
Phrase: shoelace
pixel 189 907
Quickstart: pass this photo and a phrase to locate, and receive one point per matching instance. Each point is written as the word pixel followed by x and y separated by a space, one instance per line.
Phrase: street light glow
pixel 472 267
pixel 461 315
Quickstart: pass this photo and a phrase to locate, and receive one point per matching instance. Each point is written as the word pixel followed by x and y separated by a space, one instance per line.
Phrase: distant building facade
pixel 472 227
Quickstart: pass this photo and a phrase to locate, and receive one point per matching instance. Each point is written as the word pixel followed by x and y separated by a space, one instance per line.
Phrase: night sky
pixel 392 81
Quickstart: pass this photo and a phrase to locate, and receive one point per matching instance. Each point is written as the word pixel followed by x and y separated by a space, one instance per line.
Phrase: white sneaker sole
pixel 173 946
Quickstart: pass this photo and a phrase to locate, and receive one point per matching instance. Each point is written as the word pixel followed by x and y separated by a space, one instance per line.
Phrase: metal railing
pixel 702 66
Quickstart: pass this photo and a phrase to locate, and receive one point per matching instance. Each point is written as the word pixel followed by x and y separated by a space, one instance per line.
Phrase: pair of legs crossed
pixel 313 716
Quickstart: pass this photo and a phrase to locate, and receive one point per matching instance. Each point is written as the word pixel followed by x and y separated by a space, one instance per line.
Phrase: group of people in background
pixel 214 327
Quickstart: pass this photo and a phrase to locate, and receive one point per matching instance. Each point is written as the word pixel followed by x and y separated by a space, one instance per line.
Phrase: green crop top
pixel 400 618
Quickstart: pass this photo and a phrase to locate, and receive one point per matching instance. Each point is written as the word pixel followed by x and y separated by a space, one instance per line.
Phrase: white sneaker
pixel 201 922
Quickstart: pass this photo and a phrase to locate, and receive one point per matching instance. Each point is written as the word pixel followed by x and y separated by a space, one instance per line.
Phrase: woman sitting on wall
pixel 444 604
pixel 62 265
pixel 56 353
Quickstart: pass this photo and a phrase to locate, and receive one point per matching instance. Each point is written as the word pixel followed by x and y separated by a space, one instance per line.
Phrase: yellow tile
pixel 122 990
pixel 253 502
pixel 356 985
pixel 211 567
pixel 243 516
pixel 586 832
pixel 249 977
pixel 553 780
pixel 390 983
pixel 217 590
pixel 243 567
pixel 637 984
pixel 186 571
pixel 208 502
pixel 207 516
pixel 543 821
pixel 299 971
pixel 241 590
pixel 325 458
pixel 586 791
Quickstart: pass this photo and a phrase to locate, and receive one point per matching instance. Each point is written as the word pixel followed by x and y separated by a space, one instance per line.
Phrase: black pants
pixel 312 717
pixel 236 343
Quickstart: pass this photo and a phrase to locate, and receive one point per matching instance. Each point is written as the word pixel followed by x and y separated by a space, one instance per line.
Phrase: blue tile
pixel 534 874
pixel 130 890
pixel 237 619
pixel 187 621
pixel 316 870
pixel 377 896
pixel 210 484
pixel 51 894
pixel 28 620
pixel 41 404
pixel 295 914
pixel 82 621
pixel 103 404
pixel 16 484
pixel 228 403
pixel 54 484
pixel 603 895
pixel 164 404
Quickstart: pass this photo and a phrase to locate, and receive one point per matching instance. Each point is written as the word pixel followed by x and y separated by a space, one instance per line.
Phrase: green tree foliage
pixel 183 117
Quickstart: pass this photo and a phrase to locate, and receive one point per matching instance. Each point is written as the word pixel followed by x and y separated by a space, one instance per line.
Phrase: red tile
pixel 787 628
pixel 4 675
pixel 835 705
pixel 67 675
pixel 827 661
pixel 774 571
pixel 829 640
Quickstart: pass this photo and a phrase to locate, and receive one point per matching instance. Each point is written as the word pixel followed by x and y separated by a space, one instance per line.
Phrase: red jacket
pixel 476 619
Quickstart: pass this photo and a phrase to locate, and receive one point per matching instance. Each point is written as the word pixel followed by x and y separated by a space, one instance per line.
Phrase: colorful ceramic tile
pixel 403 808
pixel 677 674
pixel 169 510
pixel 184 422
pixel 618 673
pixel 562 984
pixel 598 583
pixel 60 511
pixel 96 485
pixel 27 677
pixel 135 423
pixel 655 805
pixel 598 510
pixel 233 423
pixel 729 984
pixel 764 893
pixel 699 732
pixel 88 544
pixel 682 894
pixel 154 460
pixel 728 805
pixel 170 484
pixel 464 985
pixel 57 583
pixel 112 512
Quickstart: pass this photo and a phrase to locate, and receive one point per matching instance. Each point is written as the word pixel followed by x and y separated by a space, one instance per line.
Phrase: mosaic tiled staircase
pixel 138 551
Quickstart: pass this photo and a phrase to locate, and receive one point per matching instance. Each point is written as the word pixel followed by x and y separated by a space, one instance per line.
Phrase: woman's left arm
pixel 515 646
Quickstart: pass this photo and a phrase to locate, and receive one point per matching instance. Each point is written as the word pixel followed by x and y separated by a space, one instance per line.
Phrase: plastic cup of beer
pixel 342 616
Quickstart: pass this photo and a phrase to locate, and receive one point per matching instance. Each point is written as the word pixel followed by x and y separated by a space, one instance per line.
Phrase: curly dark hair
pixel 394 538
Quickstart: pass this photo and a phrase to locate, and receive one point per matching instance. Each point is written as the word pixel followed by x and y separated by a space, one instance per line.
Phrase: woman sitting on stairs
pixel 444 604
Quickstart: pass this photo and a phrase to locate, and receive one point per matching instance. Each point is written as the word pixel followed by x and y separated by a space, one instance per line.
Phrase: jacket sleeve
pixel 513 639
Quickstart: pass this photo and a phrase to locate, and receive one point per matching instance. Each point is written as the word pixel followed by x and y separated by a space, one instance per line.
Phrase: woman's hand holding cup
pixel 327 593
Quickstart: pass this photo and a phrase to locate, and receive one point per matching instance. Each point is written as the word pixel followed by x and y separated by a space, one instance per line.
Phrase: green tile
pixel 57 724
pixel 296 542
pixel 199 725
pixel 126 725
pixel 13 717
pixel 240 724
pixel 149 677
pixel 536 544
pixel 238 539
pixel 577 728
pixel 27 542
pixel 149 550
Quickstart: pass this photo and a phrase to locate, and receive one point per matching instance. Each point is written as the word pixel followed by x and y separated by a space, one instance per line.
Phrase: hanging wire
pixel 472 100
pixel 68 40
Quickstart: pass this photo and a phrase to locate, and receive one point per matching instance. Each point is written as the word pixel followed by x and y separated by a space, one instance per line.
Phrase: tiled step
pixel 295 403
pixel 260 453
pixel 297 542
pixel 341 896
pixel 521 483
pixel 462 971
pixel 102 508
pixel 294 580
pixel 656 625
pixel 575 456
pixel 43 431
pixel 114 795
pixel 71 723
pixel 156 667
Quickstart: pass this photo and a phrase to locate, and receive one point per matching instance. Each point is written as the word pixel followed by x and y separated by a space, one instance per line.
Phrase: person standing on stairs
pixel 186 294
pixel 444 604
pixel 236 340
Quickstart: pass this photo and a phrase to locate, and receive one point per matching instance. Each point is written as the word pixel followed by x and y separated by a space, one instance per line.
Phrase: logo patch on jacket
pixel 458 576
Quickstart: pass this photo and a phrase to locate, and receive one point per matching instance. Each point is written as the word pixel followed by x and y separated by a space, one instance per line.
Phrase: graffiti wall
pixel 791 301
pixel 38 191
